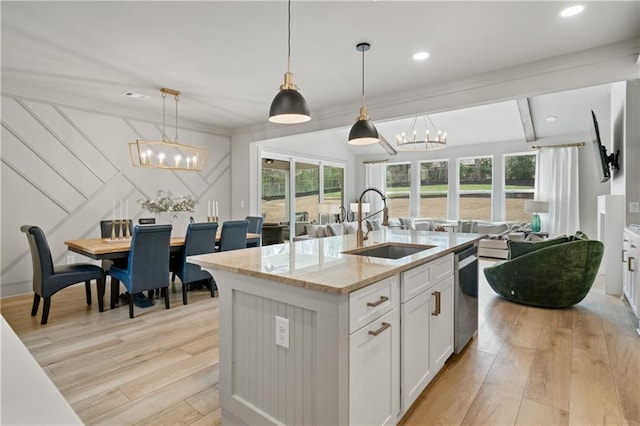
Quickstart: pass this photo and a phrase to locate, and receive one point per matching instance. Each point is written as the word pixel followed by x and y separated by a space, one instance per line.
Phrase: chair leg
pixel 115 289
pixel 36 303
pixel 184 293
pixel 87 290
pixel 173 277
pixel 45 310
pixel 131 307
pixel 165 290
pixel 100 284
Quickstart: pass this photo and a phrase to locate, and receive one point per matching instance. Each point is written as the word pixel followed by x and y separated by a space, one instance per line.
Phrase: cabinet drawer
pixel 371 302
pixel 420 278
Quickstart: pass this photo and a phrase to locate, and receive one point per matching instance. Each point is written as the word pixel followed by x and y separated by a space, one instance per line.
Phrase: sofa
pixel 498 233
pixel 553 273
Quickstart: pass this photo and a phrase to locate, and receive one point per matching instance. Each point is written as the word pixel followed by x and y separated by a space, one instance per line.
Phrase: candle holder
pixel 113 229
pixel 127 233
pixel 120 236
pixel 214 219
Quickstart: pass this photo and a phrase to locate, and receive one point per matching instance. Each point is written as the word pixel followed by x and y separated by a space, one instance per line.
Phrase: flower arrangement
pixel 166 202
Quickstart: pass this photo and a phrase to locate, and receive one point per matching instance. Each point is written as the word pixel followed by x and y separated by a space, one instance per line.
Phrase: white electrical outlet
pixel 71 259
pixel 282 332
pixel 634 207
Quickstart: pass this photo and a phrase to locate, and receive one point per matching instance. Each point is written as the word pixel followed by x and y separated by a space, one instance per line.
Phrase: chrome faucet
pixel 385 215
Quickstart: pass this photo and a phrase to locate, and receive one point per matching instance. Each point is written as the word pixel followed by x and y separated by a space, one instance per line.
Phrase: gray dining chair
pixel 255 227
pixel 105 232
pixel 200 239
pixel 49 279
pixel 147 265
pixel 233 235
pixel 147 221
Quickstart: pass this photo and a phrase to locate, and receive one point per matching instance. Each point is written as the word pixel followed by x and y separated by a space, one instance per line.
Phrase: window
pixel 333 191
pixel 434 188
pixel 398 180
pixel 519 185
pixel 275 190
pixel 475 177
pixel 307 191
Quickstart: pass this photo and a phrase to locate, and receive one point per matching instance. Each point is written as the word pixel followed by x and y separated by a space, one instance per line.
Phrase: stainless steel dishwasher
pixel 465 297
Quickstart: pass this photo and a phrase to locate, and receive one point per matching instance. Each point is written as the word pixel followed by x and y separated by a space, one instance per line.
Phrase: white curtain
pixel 375 176
pixel 557 176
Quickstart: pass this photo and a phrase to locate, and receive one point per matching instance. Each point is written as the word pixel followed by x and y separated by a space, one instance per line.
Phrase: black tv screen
pixel 602 162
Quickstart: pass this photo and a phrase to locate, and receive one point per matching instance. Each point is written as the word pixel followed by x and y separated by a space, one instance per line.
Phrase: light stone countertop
pixel 321 265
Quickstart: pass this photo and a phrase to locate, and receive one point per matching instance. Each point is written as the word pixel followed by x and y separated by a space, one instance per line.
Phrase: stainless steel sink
pixel 389 250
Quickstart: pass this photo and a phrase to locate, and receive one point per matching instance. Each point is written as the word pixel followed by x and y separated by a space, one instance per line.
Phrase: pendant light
pixel 363 131
pixel 289 106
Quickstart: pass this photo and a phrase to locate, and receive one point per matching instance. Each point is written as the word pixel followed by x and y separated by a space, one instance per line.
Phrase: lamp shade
pixel 289 107
pixel 366 207
pixel 363 132
pixel 531 206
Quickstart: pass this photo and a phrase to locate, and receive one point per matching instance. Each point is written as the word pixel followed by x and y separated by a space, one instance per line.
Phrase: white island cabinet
pixel 427 325
pixel 312 335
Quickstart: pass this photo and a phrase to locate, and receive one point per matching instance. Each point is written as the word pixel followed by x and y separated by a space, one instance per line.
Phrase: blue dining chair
pixel 105 232
pixel 255 227
pixel 200 239
pixel 233 235
pixel 147 266
pixel 49 279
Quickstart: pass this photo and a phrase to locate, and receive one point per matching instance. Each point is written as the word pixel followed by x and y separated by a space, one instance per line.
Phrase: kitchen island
pixel 312 335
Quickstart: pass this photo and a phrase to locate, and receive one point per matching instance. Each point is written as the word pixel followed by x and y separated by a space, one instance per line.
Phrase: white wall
pixel 62 167
pixel 625 137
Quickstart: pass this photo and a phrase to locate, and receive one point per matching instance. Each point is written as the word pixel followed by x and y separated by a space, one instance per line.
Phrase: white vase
pixel 178 221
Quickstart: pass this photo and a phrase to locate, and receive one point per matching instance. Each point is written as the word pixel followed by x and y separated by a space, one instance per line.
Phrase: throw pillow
pixel 334 229
pixel 579 235
pixel 312 230
pixel 373 225
pixel 519 248
pixel 350 227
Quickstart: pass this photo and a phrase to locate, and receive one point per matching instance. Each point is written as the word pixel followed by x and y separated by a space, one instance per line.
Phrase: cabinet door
pixel 414 368
pixel 374 385
pixel 441 324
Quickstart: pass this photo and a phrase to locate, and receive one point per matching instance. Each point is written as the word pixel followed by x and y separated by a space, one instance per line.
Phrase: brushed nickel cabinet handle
pixel 629 262
pixel 384 326
pixel 437 311
pixel 379 302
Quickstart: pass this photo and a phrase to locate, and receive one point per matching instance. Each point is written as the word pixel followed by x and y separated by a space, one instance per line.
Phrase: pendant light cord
pixel 362 78
pixel 289 36
pixel 164 98
pixel 177 118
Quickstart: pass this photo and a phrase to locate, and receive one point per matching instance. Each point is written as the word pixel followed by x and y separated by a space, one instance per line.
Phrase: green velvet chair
pixel 557 274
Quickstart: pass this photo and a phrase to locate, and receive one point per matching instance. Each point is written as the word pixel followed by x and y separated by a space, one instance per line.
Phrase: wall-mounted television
pixel 604 162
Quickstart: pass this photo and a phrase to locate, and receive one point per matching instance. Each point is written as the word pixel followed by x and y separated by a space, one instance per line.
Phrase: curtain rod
pixel 374 161
pixel 566 145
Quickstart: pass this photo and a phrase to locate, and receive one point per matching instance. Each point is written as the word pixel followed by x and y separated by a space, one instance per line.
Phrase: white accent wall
pixel 62 168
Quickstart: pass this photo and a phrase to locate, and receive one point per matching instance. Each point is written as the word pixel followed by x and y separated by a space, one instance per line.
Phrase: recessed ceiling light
pixel 134 95
pixel 551 119
pixel 572 11
pixel 421 56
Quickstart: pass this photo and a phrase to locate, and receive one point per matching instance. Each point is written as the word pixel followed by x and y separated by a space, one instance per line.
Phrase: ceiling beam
pixel 525 118
pixel 387 146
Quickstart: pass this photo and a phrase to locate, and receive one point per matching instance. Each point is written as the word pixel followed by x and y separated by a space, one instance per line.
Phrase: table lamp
pixel 535 207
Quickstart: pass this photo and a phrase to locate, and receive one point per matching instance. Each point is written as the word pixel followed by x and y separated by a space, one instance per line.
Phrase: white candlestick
pixel 208 208
pixel 113 213
pixel 121 210
pixel 127 210
pixel 217 209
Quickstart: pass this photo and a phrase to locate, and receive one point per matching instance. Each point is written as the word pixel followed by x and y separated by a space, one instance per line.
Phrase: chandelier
pixel 425 138
pixel 167 154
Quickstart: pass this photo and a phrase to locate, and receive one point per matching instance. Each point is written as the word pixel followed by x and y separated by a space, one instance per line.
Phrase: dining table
pixel 106 248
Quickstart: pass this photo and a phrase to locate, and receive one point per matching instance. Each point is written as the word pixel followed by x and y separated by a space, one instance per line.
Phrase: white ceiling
pixel 228 58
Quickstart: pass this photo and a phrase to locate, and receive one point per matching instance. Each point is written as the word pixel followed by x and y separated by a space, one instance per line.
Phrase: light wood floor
pixel 579 366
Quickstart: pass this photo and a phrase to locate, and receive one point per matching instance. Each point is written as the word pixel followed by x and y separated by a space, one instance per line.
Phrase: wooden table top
pixel 100 248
